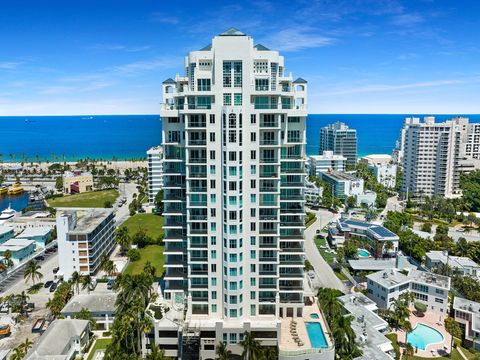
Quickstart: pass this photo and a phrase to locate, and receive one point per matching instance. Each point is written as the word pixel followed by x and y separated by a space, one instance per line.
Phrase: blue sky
pixel 359 56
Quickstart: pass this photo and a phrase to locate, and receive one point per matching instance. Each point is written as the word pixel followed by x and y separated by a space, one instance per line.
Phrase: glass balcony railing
pixel 269 142
pixel 266 106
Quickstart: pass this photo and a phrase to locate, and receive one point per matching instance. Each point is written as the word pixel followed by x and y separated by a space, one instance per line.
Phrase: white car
pixel 461 230
pixel 311 275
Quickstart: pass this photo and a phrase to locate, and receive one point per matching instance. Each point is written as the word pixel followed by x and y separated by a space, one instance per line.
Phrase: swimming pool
pixel 314 316
pixel 316 335
pixel 363 253
pixel 424 335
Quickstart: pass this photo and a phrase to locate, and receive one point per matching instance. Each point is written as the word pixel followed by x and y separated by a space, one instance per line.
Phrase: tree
pixel 123 238
pixel 462 246
pixel 409 352
pixel 222 352
pixel 32 272
pixel 251 346
pixel 344 337
pixel 85 314
pixel 108 266
pixel 388 245
pixel 308 265
pixel 453 329
pixel 155 353
pixel 59 183
pixel 330 303
pixel 87 282
pixel 133 255
pixel 107 204
pixel 159 202
pixel 427 227
pixel 351 202
pixel 75 280
pixel 7 255
pixel 421 308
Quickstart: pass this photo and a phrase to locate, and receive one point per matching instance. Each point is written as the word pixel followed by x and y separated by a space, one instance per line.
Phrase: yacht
pixel 3 190
pixel 7 213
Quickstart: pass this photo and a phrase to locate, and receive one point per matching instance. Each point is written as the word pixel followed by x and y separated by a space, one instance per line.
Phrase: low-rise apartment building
pixel 20 249
pixel 467 315
pixel 370 329
pixel 84 236
pixel 326 162
pixel 385 286
pixel 6 233
pixel 75 182
pixel 386 174
pixel 376 236
pixel 41 235
pixel 65 339
pixel 343 184
pixel 100 304
pixel 458 264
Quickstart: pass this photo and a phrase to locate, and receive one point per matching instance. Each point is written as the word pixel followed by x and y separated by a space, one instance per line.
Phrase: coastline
pixel 43 165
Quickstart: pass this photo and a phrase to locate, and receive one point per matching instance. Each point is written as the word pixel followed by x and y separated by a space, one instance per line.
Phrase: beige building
pixel 75 182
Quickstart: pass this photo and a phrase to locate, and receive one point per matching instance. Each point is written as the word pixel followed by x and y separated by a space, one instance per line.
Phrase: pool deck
pixel 286 340
pixel 433 320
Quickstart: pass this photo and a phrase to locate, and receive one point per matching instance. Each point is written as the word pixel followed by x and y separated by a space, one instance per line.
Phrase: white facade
pixel 431 155
pixel 155 172
pixel 386 174
pixel 326 162
pixel 458 264
pixel 234 150
pixel 343 184
pixel 376 159
pixel 340 139
pixel 385 286
pixel 467 315
pixel 84 236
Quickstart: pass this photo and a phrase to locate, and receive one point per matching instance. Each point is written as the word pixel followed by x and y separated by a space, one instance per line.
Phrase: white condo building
pixel 234 171
pixel 431 154
pixel 155 172
pixel 328 161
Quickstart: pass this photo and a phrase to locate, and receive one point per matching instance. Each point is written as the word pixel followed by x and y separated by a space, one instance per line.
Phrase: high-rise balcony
pixel 291 285
pixel 266 124
pixel 198 242
pixel 197 160
pixel 268 142
pixel 197 142
pixel 267 106
pixel 291 298
pixel 291 259
pixel 269 160
pixel 174 248
pixel 266 296
pixel 196 123
pixel 291 273
pixel 199 269
pixel 267 283
pixel 174 273
pixel 291 234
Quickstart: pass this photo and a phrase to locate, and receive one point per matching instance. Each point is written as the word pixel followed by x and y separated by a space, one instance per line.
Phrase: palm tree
pixel 8 258
pixel 32 271
pixel 408 352
pixel 344 337
pixel 18 353
pixel 87 282
pixel 251 347
pixel 123 238
pixel 453 329
pixel 26 345
pixel 462 246
pixel 75 280
pixel 155 353
pixel 223 353
pixel 330 303
pixel 108 266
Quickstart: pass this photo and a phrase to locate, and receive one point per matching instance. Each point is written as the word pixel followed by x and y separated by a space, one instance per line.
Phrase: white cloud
pixel 297 38
pixel 118 47
pixel 407 20
pixel 9 65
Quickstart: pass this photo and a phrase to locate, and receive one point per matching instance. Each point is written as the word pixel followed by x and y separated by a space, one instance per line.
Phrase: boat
pixel 15 189
pixel 7 213
pixel 3 190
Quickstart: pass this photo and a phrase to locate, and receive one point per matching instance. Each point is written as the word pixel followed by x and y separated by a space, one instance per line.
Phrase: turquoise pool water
pixel 316 335
pixel 424 335
pixel 363 253
pixel 314 316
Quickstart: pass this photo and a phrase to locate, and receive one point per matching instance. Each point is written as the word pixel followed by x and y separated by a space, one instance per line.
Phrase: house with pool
pixel 385 286
pixel 376 236
pixel 467 315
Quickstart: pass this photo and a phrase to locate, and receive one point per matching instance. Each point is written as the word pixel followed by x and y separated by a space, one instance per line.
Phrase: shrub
pixel 133 255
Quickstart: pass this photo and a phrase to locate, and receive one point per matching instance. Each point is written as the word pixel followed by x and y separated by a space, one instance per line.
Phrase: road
pixel 393 204
pixel 325 275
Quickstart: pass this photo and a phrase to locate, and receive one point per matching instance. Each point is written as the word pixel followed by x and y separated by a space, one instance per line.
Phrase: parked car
pixel 55 270
pixel 48 284
pixel 110 284
pixel 40 258
pixel 53 287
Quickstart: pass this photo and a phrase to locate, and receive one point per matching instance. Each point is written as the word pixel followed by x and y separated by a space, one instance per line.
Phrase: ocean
pixel 69 138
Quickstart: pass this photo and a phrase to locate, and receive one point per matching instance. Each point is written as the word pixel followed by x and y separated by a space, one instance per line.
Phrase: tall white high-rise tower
pixel 234 150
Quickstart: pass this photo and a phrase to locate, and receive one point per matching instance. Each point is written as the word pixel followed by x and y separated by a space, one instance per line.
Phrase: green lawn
pixel 310 219
pixel 327 256
pixel 100 344
pixel 93 199
pixel 152 253
pixel 152 224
